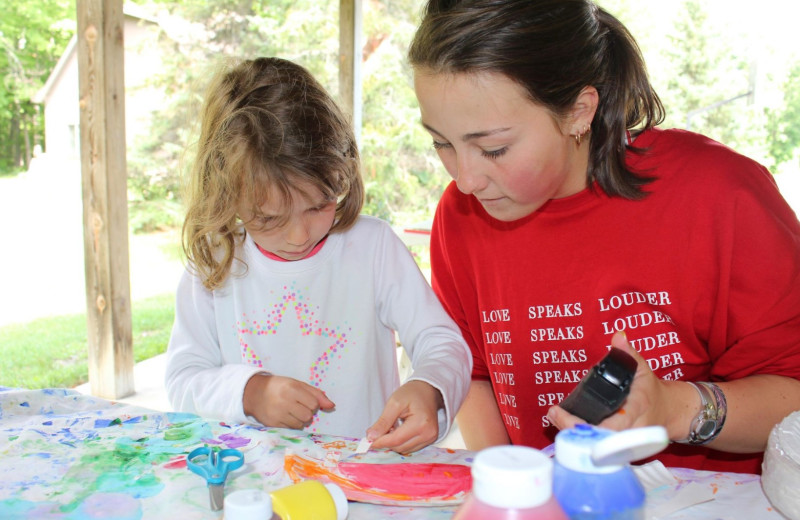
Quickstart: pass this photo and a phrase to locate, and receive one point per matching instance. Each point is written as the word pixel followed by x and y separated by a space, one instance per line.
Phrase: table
pixel 71 456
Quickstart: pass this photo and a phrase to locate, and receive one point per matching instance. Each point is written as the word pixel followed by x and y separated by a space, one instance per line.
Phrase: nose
pixel 297 232
pixel 468 178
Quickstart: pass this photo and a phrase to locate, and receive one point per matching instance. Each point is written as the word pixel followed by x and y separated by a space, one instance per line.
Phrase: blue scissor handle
pixel 214 465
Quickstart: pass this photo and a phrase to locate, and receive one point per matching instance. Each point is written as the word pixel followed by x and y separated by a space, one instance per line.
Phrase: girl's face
pixel 291 232
pixel 510 153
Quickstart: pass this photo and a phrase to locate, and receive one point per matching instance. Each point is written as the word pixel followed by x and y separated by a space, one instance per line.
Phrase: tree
pixel 33 34
pixel 706 78
pixel 784 123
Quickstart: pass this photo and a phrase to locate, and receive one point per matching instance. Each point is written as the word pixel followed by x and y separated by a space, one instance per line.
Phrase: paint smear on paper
pixel 409 484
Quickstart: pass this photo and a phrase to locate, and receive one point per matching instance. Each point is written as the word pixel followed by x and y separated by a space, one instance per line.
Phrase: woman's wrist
pixel 684 407
pixel 708 423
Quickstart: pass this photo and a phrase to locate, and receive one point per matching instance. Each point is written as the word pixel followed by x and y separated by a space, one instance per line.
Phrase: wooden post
pixel 350 61
pixel 105 206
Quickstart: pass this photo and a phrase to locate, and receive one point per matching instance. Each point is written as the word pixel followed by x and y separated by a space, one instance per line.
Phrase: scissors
pixel 214 465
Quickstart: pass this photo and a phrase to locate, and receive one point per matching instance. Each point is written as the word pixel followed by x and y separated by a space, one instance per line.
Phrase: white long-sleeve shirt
pixel 328 320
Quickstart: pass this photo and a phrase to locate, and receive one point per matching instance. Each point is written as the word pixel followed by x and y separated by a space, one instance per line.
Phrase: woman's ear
pixel 582 113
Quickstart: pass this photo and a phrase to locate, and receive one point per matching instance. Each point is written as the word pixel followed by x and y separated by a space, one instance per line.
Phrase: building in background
pixel 60 94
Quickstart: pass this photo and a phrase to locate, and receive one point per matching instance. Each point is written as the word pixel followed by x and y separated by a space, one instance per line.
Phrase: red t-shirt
pixel 703 275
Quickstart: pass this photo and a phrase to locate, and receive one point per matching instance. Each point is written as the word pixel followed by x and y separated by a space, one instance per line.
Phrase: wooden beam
pixel 105 207
pixel 350 61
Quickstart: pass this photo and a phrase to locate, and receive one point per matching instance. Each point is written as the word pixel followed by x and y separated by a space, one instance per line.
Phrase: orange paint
pixel 336 445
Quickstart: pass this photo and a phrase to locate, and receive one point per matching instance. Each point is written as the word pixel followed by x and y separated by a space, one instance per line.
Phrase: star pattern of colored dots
pixel 309 326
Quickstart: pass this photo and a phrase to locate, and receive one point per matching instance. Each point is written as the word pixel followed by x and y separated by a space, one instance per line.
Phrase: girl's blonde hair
pixel 267 124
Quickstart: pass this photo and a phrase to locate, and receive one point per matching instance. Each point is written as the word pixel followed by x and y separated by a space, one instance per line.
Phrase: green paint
pixel 177 434
pixel 293 440
pixel 191 432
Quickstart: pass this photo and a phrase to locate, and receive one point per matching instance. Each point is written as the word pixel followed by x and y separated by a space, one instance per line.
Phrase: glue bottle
pixel 511 483
pixel 592 478
pixel 248 504
pixel 310 500
pixel 306 500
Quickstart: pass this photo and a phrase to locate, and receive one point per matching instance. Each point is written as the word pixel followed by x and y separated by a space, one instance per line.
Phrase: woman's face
pixel 291 232
pixel 510 153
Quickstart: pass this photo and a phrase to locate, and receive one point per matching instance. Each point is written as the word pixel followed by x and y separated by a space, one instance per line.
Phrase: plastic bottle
pixel 248 504
pixel 306 500
pixel 310 500
pixel 592 478
pixel 511 483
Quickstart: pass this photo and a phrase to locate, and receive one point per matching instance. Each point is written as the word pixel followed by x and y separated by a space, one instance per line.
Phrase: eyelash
pixel 494 154
pixel 489 154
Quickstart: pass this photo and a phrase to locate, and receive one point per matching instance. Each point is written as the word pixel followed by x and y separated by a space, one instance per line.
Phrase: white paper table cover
pixel 70 456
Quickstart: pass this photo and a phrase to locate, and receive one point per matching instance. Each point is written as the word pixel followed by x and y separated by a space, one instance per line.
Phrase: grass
pixel 52 352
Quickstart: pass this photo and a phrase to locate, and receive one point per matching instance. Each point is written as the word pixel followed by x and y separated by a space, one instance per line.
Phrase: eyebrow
pixel 472 135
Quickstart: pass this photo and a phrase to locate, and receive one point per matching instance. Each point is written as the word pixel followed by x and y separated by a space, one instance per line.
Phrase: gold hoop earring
pixel 579 135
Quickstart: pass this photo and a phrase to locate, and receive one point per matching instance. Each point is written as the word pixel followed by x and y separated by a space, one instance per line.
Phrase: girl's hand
pixel 283 402
pixel 415 406
pixel 646 405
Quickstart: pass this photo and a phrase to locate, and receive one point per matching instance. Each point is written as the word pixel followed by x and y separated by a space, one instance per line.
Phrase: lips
pixel 490 201
pixel 298 253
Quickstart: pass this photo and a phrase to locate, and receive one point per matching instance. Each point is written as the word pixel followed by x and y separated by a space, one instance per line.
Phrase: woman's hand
pixel 409 421
pixel 652 401
pixel 755 404
pixel 283 402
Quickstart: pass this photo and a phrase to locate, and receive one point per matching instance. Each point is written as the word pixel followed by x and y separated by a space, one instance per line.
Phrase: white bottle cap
pixel 339 500
pixel 516 477
pixel 630 445
pixel 248 504
pixel 589 449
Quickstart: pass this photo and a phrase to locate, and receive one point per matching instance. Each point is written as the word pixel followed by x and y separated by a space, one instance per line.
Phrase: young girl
pixel 288 311
pixel 571 216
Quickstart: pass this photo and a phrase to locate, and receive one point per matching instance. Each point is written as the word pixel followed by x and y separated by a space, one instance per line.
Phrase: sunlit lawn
pixel 52 352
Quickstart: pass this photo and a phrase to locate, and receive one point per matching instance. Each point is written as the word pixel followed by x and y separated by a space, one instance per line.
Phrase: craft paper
pixel 420 484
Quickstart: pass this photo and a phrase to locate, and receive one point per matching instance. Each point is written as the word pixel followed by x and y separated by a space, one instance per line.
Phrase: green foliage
pixel 404 179
pixel 52 352
pixel 783 123
pixel 33 34
pixel 706 77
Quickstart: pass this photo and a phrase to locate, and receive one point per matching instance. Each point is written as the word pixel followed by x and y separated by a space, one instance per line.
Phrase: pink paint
pixel 474 509
pixel 399 484
pixel 178 462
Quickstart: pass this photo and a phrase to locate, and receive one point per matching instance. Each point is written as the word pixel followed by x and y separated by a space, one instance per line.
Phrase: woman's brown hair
pixel 553 49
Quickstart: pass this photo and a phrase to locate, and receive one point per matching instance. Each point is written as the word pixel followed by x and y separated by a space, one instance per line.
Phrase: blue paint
pixel 589 492
pixel 41 455
pixel 114 506
pixel 108 506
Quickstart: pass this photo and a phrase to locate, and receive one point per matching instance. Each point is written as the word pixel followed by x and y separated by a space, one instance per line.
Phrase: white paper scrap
pixel 363 446
pixel 687 496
